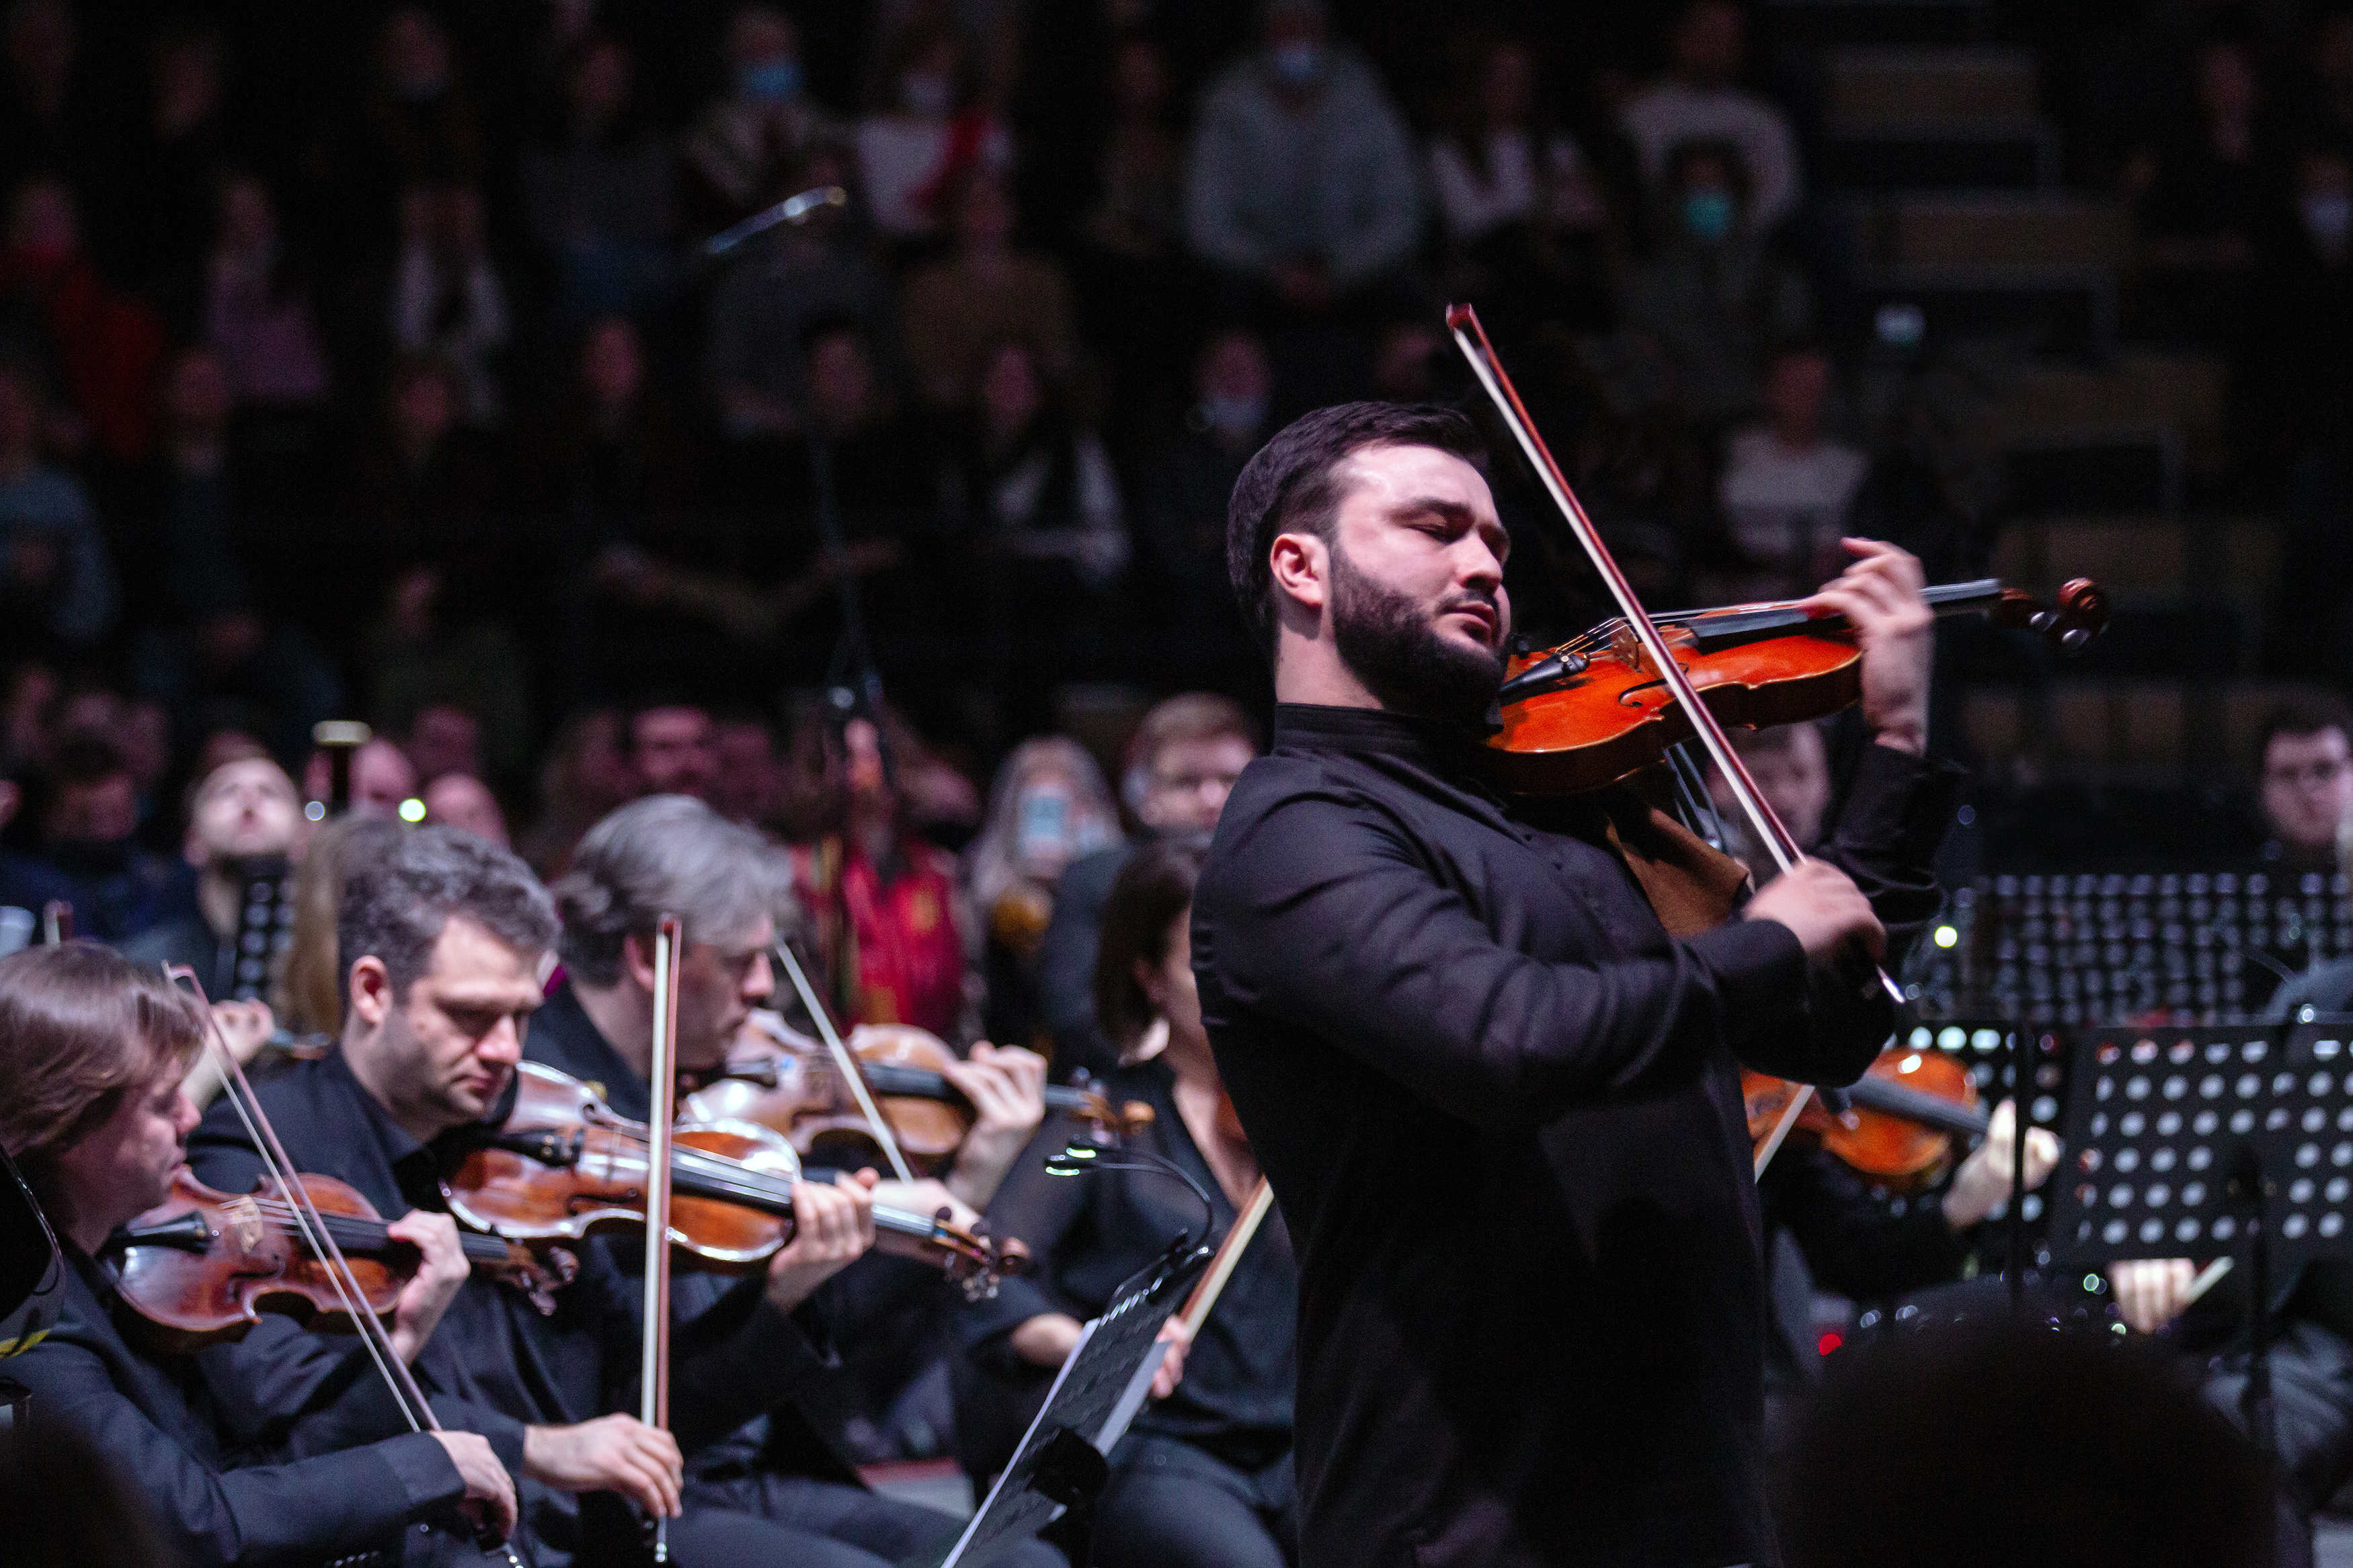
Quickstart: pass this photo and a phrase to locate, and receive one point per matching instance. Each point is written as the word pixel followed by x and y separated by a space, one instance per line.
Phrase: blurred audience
pixel 1787 487
pixel 1700 99
pixel 985 289
pixel 599 192
pixel 928 126
pixel 243 826
pixel 1047 807
pixel 58 587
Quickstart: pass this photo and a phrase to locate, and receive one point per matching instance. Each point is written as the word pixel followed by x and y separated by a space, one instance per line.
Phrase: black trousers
pixel 764 1518
pixel 1170 1505
pixel 2312 1402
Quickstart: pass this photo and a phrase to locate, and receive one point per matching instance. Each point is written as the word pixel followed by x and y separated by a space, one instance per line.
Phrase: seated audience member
pixel 1787 487
pixel 259 310
pixel 984 291
pixel 58 590
pixel 1181 763
pixel 86 817
pixel 585 775
pixel 668 746
pixel 742 151
pixel 600 192
pixel 2136 1472
pixel 443 941
pixel 1047 808
pixel 1204 1476
pixel 1712 292
pixel 1700 99
pixel 1137 293
pixel 447 300
pixel 279 1448
pixel 882 904
pixel 747 783
pixel 157 202
pixel 1527 209
pixel 1181 514
pixel 1299 185
pixel 242 822
pixel 764 310
pixel 929 127
pixel 1046 521
pixel 104 349
pixel 465 803
pixel 2205 197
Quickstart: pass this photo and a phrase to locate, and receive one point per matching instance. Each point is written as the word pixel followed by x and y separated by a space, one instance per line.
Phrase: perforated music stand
pixel 1059 1465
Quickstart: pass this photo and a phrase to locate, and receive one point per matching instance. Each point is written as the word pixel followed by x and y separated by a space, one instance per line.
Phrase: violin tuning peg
pixel 2041 621
pixel 2075 638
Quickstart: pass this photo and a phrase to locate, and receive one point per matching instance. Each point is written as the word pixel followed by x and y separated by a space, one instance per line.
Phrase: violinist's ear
pixel 371 990
pixel 1301 564
pixel 637 961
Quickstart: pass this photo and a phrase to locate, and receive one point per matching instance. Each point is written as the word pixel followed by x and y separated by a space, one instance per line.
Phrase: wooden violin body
pixel 1899 1125
pixel 567 1166
pixel 788 1081
pixel 203 1266
pixel 1596 709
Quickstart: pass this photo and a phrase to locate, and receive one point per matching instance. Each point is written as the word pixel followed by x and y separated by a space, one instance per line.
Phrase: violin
pixel 203 1266
pixel 789 1082
pixel 1594 709
pixel 565 1165
pixel 1898 1125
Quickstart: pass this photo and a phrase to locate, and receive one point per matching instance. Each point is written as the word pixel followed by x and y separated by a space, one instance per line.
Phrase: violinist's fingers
pixel 1879 555
pixel 2041 1155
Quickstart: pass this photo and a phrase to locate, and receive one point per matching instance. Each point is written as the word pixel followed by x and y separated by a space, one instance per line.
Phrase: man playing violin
pixel 670 854
pixel 444 940
pixel 1553 1356
pixel 279 1447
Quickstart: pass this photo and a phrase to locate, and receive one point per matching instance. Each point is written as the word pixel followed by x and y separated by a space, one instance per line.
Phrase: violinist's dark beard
pixel 1389 641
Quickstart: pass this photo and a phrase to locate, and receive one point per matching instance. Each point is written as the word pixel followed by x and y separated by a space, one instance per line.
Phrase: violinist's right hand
pixel 425 1298
pixel 2151 1291
pixel 832 1229
pixel 490 1491
pixel 1821 905
pixel 611 1453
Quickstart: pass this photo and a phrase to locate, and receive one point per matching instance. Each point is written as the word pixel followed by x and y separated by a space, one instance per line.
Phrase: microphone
pixel 793 209
pixel 1080 1158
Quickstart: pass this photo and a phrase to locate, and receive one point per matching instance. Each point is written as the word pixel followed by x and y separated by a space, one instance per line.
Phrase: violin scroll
pixel 2070 622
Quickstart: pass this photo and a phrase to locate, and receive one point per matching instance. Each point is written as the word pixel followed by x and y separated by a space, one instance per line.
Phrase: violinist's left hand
pixel 442 1269
pixel 1879 594
pixel 1006 1085
pixel 926 1197
pixel 1171 1370
pixel 832 1229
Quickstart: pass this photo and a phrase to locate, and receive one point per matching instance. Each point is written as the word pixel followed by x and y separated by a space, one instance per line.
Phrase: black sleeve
pixel 1320 913
pixel 302 1512
pixel 1853 1241
pixel 1066 971
pixel 1040 1211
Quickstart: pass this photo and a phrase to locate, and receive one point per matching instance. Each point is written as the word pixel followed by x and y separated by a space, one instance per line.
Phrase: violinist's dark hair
pixel 396 902
pixel 1293 485
pixel 1151 890
pixel 80 1027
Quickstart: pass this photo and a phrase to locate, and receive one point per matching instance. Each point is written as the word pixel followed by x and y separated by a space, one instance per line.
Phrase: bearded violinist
pixel 1553 1356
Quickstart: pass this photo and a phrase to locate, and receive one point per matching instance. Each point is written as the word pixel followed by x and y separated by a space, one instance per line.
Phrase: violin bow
pixel 1230 1248
pixel 409 1398
pixel 1462 322
pixel 844 1063
pixel 653 1365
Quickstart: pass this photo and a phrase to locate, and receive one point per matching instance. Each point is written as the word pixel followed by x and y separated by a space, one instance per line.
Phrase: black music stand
pixel 1058 1471
pixel 2212 1143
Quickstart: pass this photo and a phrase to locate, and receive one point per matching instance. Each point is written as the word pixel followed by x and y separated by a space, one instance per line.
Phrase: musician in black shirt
pixel 1203 1479
pixel 1551 1355
pixel 278 1449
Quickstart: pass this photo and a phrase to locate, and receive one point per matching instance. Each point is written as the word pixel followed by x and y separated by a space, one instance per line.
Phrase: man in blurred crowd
pixel 242 818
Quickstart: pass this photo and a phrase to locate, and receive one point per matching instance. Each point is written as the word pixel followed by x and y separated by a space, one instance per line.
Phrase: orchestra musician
pixel 444 940
pixel 795 1496
pixel 1203 1479
pixel 1550 1355
pixel 280 1447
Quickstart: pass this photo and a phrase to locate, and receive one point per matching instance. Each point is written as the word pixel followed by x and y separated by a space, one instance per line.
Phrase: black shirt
pixel 281 1448
pixel 1091 1234
pixel 498 1363
pixel 1548 1350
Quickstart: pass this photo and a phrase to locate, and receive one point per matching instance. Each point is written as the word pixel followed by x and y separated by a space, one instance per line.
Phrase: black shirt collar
pixel 563 1036
pixel 1311 727
pixel 390 1137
